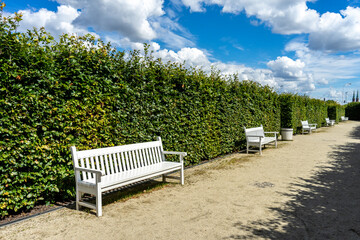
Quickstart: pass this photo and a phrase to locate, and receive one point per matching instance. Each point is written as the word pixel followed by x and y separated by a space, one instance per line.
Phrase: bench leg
pixel 275 143
pixel 182 175
pixel 98 203
pixel 164 178
pixel 247 148
pixel 78 197
pixel 260 149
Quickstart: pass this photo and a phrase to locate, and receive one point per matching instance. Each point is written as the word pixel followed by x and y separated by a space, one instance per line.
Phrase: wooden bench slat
pixel 123 164
pixel 119 162
pixel 123 148
pixel 87 164
pixel 136 152
pixel 135 159
pixel 112 168
pixel 102 167
pixel 97 162
pixel 113 157
pixel 92 164
pixel 83 165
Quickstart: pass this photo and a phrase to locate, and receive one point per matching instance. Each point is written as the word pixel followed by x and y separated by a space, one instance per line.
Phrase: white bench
pixel 308 127
pixel 103 169
pixel 344 118
pixel 329 122
pixel 256 137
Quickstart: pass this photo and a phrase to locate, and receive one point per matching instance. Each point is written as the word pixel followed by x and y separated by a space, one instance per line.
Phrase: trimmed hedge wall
pixel 335 111
pixel 295 108
pixel 80 91
pixel 352 110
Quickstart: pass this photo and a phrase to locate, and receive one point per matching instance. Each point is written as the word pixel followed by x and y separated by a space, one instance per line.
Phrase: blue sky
pixel 299 46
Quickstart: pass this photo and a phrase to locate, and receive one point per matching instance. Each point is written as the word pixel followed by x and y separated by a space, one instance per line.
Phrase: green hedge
pixel 295 108
pixel 352 111
pixel 80 91
pixel 335 111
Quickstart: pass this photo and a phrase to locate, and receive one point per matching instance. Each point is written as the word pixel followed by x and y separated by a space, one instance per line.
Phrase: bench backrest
pixel 258 131
pixel 342 118
pixel 327 120
pixel 118 159
pixel 305 123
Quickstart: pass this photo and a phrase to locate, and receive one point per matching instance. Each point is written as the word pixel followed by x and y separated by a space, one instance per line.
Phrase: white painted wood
pixel 256 137
pixel 329 122
pixel 308 127
pixel 104 169
pixel 343 118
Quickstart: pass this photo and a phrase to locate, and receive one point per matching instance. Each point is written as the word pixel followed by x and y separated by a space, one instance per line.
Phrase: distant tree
pixel 353 99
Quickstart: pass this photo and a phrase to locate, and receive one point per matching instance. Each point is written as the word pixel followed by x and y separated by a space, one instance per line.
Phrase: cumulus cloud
pixel 129 22
pixel 131 18
pixel 193 57
pixel 337 32
pixel 57 23
pixel 326 67
pixel 335 94
pixel 289 70
pixel 283 74
pixel 285 17
pixel 329 31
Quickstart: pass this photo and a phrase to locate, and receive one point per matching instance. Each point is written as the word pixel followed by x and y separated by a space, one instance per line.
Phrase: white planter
pixel 286 134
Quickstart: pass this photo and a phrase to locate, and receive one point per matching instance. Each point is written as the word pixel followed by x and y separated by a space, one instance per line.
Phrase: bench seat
pixel 256 137
pixel 329 122
pixel 128 177
pixel 308 127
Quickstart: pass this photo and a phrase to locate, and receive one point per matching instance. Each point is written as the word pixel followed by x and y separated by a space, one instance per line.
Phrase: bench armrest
pixel 272 132
pixel 176 153
pixel 181 154
pixel 102 173
pixel 254 136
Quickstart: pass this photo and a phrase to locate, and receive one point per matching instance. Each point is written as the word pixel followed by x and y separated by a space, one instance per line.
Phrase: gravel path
pixel 307 188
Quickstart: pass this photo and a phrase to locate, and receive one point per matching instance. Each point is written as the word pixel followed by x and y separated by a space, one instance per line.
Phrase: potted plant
pixel 286 130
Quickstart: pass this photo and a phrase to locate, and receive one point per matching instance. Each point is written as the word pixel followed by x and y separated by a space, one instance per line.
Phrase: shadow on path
pixel 326 206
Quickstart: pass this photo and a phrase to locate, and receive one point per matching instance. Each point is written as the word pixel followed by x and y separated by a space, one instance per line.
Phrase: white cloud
pixel 335 94
pixel 326 66
pixel 287 68
pixel 194 5
pixel 56 23
pixel 132 19
pixel 285 17
pixel 337 32
pixel 129 22
pixel 329 31
pixel 329 70
pixel 192 57
pixel 284 73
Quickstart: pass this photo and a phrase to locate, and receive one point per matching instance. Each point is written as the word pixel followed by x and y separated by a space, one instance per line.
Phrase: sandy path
pixel 306 189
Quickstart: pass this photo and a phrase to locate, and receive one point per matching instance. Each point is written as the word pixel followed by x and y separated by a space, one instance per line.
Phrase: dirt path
pixel 306 189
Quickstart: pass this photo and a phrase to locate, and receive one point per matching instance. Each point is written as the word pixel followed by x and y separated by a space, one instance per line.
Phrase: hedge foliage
pixel 352 110
pixel 80 91
pixel 295 108
pixel 335 111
